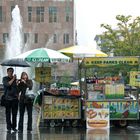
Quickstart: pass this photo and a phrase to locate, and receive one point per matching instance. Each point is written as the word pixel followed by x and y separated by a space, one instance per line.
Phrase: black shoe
pixel 29 130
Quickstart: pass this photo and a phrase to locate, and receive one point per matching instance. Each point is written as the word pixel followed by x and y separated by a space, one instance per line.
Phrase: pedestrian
pixel 24 85
pixel 11 96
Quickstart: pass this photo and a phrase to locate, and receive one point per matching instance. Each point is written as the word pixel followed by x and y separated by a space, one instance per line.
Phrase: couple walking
pixel 15 91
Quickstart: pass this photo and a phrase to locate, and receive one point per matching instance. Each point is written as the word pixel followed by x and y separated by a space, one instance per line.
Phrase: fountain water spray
pixel 14 44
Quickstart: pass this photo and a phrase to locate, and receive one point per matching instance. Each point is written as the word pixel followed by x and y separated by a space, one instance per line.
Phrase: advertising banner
pixel 117 109
pixel 135 78
pixel 125 109
pixel 97 118
pixel 114 91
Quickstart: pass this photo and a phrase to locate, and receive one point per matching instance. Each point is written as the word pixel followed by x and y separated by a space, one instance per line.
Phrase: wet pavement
pixel 132 132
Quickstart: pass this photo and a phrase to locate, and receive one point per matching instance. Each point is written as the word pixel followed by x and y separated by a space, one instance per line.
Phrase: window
pixel 40 14
pixel 54 38
pixel 0 13
pixel 67 14
pixel 29 14
pixel 36 38
pixel 12 7
pixel 66 39
pixel 5 37
pixel 26 37
pixel 52 14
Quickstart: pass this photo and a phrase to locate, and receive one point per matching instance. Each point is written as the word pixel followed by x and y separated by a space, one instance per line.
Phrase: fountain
pixel 14 43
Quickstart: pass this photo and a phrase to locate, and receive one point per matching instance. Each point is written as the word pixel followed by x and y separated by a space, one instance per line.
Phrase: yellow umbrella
pixel 80 52
pixel 75 83
pixel 83 51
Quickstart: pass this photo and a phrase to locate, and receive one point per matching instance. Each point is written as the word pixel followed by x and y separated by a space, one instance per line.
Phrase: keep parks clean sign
pixel 43 74
pixel 107 61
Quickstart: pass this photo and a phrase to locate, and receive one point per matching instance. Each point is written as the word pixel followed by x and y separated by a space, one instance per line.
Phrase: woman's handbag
pixel 3 100
pixel 29 96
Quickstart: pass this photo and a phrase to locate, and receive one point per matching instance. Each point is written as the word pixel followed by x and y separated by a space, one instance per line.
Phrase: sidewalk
pixel 25 136
pixel 132 132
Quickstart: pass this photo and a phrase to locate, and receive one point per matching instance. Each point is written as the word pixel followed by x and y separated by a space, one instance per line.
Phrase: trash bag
pixel 3 100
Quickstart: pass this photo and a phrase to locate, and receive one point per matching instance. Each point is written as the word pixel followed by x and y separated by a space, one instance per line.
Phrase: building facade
pixel 46 23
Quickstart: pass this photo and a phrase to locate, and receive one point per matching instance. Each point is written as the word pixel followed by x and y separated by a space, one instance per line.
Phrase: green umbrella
pixel 43 55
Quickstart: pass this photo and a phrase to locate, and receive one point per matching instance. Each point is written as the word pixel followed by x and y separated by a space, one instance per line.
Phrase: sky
pixel 90 14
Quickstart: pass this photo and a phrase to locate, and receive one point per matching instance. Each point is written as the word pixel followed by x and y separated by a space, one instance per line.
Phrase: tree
pixel 124 40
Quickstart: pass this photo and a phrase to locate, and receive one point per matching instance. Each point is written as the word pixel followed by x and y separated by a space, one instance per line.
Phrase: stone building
pixel 46 23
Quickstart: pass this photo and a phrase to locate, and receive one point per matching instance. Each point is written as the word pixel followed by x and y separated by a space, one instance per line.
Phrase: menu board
pixel 43 74
pixel 60 107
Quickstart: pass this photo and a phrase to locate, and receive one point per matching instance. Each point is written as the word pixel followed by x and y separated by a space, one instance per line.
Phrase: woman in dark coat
pixel 24 85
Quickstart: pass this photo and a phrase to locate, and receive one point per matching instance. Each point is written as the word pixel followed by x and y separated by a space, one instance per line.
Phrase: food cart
pixel 61 102
pixel 61 110
pixel 110 92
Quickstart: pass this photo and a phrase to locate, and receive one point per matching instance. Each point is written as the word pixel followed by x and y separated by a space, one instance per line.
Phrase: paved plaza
pixel 132 132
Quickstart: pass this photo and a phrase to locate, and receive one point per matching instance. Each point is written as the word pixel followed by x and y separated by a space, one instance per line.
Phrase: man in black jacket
pixel 11 94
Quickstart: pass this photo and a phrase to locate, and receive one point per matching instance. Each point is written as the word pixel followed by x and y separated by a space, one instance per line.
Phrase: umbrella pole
pixel 41 83
pixel 15 70
pixel 78 70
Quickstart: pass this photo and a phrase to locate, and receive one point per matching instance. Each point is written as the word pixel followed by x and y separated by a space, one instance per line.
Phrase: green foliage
pixel 124 40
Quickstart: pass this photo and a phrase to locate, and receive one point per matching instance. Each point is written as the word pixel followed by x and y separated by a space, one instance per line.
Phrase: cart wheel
pixel 52 123
pixel 123 123
pixel 74 123
pixel 120 123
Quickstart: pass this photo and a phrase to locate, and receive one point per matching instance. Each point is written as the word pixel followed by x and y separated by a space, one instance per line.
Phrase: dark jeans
pixel 11 113
pixel 29 107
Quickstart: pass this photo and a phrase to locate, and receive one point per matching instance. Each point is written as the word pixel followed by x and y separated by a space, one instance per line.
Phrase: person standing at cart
pixel 11 96
pixel 25 102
